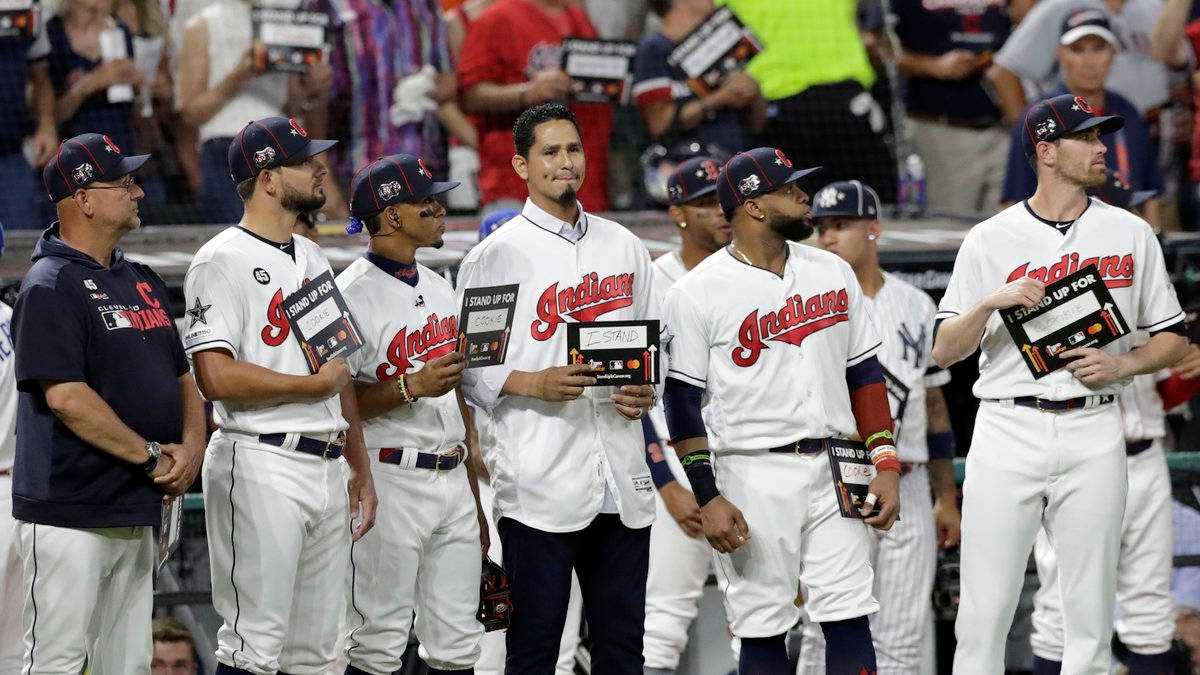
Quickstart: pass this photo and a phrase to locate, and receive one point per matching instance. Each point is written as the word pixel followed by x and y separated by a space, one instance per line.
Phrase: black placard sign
pixel 897 398
pixel 321 321
pixel 18 19
pixel 600 70
pixel 170 532
pixel 288 40
pixel 1078 311
pixel 621 352
pixel 852 475
pixel 720 45
pixel 485 324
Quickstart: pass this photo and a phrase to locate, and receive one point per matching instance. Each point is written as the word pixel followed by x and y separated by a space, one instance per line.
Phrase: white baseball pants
pixel 905 560
pixel 1027 470
pixel 279 546
pixel 88 599
pixel 1144 604
pixel 12 589
pixel 423 554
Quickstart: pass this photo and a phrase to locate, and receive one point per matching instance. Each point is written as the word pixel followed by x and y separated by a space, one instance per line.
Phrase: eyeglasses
pixel 127 185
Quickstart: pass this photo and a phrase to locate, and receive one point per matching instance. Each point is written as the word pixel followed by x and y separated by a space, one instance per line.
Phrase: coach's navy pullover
pixel 111 328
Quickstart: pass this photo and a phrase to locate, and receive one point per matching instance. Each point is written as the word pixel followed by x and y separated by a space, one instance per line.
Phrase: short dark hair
pixel 245 189
pixel 661 7
pixel 372 222
pixel 541 113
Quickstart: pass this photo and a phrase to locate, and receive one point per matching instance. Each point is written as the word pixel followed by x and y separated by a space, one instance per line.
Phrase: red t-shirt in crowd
pixel 507 44
pixel 1192 32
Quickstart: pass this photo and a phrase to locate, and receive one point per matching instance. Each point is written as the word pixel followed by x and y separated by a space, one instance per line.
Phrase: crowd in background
pixel 887 91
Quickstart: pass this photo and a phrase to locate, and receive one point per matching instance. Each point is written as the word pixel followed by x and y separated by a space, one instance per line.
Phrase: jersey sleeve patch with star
pixel 213 310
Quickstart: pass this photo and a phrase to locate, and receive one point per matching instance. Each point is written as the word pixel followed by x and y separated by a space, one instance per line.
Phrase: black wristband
pixel 698 467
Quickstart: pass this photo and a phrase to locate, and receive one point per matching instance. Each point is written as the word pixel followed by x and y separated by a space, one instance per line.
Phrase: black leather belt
pixel 1137 447
pixel 425 460
pixel 803 446
pixel 1047 405
pixel 309 446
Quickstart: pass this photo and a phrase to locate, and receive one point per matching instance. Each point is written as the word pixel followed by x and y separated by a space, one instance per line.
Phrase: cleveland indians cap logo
pixel 83 174
pixel 264 156
pixel 389 190
pixel 422 169
pixel 749 184
pixel 1083 105
pixel 111 145
pixel 781 158
pixel 297 129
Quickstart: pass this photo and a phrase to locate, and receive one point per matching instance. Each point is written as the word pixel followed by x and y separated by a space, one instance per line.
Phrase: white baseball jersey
pixel 552 462
pixel 1142 408
pixel 404 327
pixel 8 394
pixel 235 288
pixel 668 269
pixel 903 319
pixel 1015 243
pixel 770 352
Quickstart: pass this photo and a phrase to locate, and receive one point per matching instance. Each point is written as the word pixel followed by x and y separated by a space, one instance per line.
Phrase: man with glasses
pixel 275 500
pixel 108 421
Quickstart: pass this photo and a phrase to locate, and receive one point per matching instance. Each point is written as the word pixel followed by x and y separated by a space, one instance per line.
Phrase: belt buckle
pixel 338 442
pixel 796 447
pixel 437 464
pixel 325 452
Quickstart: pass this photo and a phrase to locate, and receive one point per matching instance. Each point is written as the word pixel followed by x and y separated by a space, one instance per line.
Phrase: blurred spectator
pixel 384 106
pixel 23 61
pixel 1085 53
pixel 174 652
pixel 1187 630
pixel 672 112
pixel 945 48
pixel 617 19
pixel 185 135
pixel 220 89
pixel 510 61
pixel 459 18
pixel 81 79
pixel 815 71
pixel 1027 55
pixel 1177 44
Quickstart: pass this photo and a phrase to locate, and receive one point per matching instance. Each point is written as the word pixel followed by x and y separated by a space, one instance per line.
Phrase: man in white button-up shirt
pixel 568 460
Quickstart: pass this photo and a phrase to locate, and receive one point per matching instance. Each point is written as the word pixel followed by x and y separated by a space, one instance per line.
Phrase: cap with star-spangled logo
pixel 391 180
pixel 268 143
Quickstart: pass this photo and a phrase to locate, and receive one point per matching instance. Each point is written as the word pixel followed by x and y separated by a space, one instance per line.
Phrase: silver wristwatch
pixel 155 453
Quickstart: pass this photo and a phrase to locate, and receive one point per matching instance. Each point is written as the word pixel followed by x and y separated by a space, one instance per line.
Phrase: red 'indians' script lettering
pixel 796 320
pixel 145 319
pixel 437 338
pixel 277 329
pixel 593 297
pixel 1116 270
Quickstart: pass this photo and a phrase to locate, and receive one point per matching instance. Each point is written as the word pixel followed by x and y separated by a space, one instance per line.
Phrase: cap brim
pixel 706 190
pixel 1072 36
pixel 127 165
pixel 1107 124
pixel 797 175
pixel 315 147
pixel 438 188
pixel 1140 197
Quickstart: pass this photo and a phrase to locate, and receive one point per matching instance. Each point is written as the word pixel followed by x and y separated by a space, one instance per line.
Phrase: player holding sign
pixel 424 552
pixel 1049 451
pixel 771 339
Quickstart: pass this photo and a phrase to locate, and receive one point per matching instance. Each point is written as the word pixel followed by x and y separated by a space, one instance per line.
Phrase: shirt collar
pixel 572 232
pixel 402 271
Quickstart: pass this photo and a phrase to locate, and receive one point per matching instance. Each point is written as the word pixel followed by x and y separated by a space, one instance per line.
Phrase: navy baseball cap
pixel 493 222
pixel 268 143
pixel 1053 118
pixel 694 178
pixel 1118 192
pixel 755 172
pixel 83 160
pixel 1086 21
pixel 847 199
pixel 392 180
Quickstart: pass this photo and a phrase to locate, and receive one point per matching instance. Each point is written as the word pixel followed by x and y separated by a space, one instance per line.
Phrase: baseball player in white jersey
pixel 1049 452
pixel 10 562
pixel 273 466
pixel 1144 602
pixel 567 460
pixel 680 557
pixel 772 343
pixel 846 215
pixel 424 552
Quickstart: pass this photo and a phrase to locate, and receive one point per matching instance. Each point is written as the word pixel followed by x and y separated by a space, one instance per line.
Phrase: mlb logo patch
pixel 116 319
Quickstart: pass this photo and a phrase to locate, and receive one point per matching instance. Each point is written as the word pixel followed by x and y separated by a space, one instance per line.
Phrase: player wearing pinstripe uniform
pixel 904 558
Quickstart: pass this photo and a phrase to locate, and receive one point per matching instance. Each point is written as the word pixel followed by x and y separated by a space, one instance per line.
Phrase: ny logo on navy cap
pixel 83 160
pixel 692 179
pixel 1053 118
pixel 847 199
pixel 268 143
pixel 392 180
pixel 753 173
